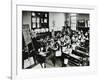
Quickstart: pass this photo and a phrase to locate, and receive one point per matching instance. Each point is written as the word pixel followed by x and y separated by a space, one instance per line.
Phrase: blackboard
pixel 26 34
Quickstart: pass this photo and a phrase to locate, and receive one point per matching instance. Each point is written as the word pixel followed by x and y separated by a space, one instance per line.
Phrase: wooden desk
pixel 80 53
pixel 83 55
pixel 82 49
pixel 72 60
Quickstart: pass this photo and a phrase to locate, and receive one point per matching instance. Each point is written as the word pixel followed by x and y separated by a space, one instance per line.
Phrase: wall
pixel 59 19
pixel 56 17
pixel 83 16
pixel 78 17
pixel 27 18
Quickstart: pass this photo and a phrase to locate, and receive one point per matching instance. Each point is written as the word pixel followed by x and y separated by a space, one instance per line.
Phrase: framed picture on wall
pixel 52 40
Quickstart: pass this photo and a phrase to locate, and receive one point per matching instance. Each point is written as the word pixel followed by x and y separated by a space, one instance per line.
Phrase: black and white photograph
pixel 55 39
pixel 50 40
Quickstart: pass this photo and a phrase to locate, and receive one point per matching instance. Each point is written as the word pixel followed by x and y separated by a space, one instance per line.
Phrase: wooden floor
pixel 49 64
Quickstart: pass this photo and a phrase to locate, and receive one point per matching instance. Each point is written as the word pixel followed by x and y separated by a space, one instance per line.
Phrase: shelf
pixel 40 20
